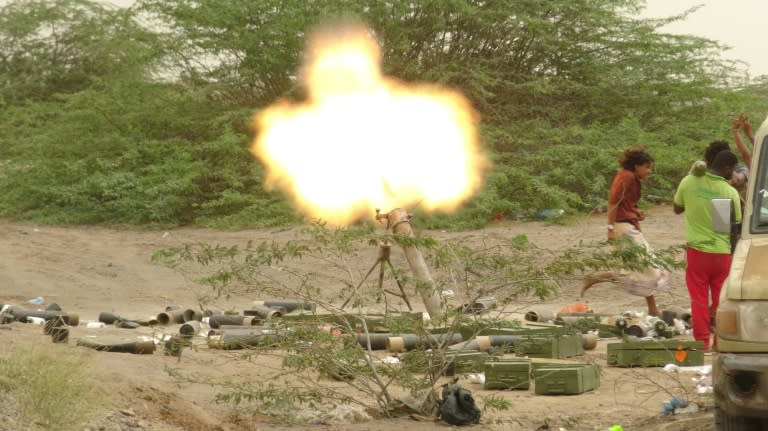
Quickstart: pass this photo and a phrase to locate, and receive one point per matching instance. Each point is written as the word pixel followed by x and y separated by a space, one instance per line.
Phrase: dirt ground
pixel 88 270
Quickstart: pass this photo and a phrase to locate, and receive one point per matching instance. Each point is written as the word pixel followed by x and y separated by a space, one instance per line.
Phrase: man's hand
pixel 640 215
pixel 745 123
pixel 612 235
pixel 737 123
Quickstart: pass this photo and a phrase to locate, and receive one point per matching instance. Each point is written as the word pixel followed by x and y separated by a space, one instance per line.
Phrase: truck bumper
pixel 740 383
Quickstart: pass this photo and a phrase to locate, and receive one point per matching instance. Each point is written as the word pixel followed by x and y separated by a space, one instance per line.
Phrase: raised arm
pixel 742 122
pixel 747 129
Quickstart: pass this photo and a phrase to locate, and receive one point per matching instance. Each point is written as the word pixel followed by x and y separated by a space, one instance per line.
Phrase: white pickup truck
pixel 740 368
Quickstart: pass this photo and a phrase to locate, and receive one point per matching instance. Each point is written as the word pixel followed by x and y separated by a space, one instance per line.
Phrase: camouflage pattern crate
pixel 655 353
pixel 508 374
pixel 465 362
pixel 557 347
pixel 565 379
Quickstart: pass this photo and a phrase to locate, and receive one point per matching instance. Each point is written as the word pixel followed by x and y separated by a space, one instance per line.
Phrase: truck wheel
pixel 726 422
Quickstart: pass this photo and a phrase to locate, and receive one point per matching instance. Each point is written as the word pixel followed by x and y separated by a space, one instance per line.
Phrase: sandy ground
pixel 88 270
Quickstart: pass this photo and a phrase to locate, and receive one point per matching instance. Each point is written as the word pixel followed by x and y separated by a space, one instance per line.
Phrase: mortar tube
pixel 192 315
pixel 412 341
pixel 172 316
pixel 137 347
pixel 265 312
pixel 399 221
pixel 228 319
pixel 288 304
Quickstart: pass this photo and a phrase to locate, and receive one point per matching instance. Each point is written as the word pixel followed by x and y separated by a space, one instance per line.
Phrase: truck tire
pixel 726 422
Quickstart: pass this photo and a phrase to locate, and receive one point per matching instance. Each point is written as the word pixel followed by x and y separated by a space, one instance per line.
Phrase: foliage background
pixel 140 115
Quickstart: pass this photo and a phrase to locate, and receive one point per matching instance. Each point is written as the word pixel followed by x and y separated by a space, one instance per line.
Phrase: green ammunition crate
pixel 508 374
pixel 565 379
pixel 465 362
pixel 405 322
pixel 655 353
pixel 557 347
pixel 469 331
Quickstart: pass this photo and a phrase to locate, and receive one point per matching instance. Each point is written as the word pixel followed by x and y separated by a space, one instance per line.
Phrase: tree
pixel 127 97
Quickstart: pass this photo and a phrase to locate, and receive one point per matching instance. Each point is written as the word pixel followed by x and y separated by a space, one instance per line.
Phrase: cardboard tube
pixel 108 318
pixel 70 319
pixel 540 315
pixel 395 344
pixel 265 312
pixel 483 342
pixel 168 317
pixel 119 346
pixel 288 304
pixel 378 341
pixel 190 315
pixel 241 340
pixel 479 306
pixel 230 319
pixel 190 329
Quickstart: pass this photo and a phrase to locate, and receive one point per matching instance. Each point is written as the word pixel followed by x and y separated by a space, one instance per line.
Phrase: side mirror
pixel 722 210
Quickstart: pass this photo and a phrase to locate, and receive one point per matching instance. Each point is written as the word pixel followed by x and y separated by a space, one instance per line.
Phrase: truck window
pixel 759 222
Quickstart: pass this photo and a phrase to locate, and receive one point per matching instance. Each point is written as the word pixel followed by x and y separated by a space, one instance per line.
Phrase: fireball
pixel 362 141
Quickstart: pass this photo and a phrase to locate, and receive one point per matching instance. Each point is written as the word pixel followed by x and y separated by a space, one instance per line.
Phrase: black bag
pixel 458 406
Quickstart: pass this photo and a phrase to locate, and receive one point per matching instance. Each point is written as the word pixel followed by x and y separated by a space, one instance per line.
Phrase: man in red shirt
pixel 624 219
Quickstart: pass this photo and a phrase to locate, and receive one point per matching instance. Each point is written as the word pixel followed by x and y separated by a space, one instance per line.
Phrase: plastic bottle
pixel 36 301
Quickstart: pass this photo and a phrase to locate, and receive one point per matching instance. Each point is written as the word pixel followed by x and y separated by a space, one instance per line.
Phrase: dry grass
pixel 48 386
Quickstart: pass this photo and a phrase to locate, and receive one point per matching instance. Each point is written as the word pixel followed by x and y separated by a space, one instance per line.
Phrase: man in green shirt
pixel 708 255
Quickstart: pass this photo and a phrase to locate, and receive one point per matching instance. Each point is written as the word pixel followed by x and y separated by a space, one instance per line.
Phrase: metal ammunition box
pixel 565 379
pixel 655 353
pixel 557 347
pixel 508 374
